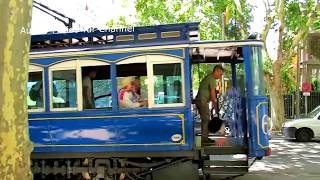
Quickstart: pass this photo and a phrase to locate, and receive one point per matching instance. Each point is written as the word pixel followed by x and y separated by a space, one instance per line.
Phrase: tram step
pixel 209 163
pixel 223 150
pixel 222 176
pixel 225 170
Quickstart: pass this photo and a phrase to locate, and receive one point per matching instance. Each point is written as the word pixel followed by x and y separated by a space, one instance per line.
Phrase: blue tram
pixel 157 140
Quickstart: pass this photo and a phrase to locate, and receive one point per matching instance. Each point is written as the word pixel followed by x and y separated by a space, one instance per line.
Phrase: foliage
pixel 316 24
pixel 150 12
pixel 288 76
pixel 116 23
pixel 215 17
pixel 296 17
pixel 208 13
pixel 237 16
pixel 199 72
pixel 292 19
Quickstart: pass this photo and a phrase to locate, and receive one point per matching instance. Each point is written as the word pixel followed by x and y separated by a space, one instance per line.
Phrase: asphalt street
pixel 289 160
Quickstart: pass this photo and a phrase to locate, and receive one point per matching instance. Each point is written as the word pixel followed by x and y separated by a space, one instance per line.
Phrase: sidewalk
pixel 289 160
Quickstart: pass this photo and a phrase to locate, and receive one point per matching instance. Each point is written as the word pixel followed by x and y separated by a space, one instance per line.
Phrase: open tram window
pixel 257 69
pixel 96 87
pixel 132 86
pixel 167 83
pixel 35 99
pixel 64 89
pixel 241 78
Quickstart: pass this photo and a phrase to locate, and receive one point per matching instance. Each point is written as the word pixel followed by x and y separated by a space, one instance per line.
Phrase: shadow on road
pixel 294 140
pixel 289 159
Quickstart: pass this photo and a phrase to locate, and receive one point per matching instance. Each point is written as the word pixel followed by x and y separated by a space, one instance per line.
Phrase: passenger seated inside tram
pixel 36 93
pixel 128 96
pixel 137 90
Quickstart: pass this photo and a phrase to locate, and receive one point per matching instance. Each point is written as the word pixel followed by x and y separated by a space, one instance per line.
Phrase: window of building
pixel 35 98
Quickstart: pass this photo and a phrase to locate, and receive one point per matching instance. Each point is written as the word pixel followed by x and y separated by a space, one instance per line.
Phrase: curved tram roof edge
pixel 53 52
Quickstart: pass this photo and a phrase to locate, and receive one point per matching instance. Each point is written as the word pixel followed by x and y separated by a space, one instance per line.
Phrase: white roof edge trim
pixel 225 44
pixel 191 45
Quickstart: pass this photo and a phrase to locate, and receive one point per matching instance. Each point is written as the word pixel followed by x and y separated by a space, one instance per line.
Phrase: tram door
pixel 242 101
pixel 230 89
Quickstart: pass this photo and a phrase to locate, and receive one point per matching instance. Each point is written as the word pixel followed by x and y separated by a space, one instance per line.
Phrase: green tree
pixel 15 147
pixel 215 17
pixel 209 13
pixel 219 19
pixel 292 20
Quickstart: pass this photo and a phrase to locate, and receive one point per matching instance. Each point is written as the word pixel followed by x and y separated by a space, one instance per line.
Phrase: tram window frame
pixel 35 69
pixel 76 65
pixel 86 64
pixel 150 61
pixel 163 60
pixel 258 88
pixel 63 66
pixel 130 61
pixel 52 108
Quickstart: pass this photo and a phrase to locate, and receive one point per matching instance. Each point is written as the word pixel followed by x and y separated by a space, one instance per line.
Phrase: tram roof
pixel 182 35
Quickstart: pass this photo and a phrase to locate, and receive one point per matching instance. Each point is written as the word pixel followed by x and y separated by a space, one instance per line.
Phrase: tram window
pixel 257 71
pixel 64 89
pixel 241 78
pixel 96 87
pixel 35 98
pixel 132 87
pixel 167 83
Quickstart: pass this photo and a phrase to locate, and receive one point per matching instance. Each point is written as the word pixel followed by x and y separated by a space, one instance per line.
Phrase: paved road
pixel 289 161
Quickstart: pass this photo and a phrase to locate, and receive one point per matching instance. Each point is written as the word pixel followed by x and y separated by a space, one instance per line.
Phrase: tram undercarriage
pixel 203 163
pixel 113 168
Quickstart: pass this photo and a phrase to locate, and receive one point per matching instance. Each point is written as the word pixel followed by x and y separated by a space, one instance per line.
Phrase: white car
pixel 305 128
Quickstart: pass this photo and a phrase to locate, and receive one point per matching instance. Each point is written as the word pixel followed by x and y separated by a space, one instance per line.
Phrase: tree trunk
pixel 15 147
pixel 276 95
pixel 277 108
pixel 273 83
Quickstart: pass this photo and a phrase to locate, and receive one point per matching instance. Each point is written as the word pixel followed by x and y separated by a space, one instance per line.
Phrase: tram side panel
pixel 69 132
pixel 158 129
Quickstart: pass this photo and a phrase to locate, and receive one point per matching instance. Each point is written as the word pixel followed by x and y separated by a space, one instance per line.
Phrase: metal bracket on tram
pixel 215 54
